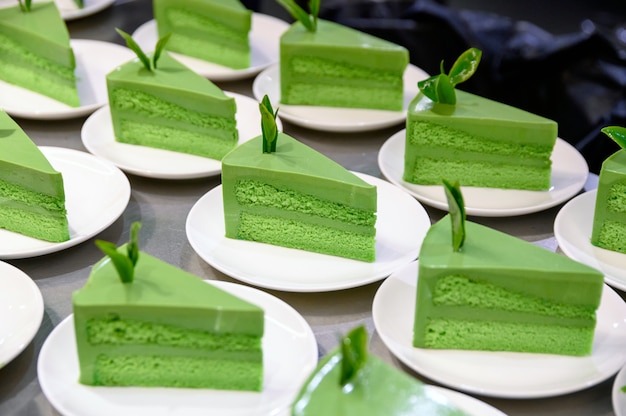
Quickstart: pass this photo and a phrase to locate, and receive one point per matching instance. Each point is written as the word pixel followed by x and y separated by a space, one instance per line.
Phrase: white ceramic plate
pixel 98 138
pixel 96 194
pixel 572 229
pixel 21 311
pixel 70 11
pixel 618 397
pixel 401 226
pixel 569 173
pixel 334 118
pixel 499 374
pixel 470 405
pixel 94 59
pixel 289 356
pixel 264 48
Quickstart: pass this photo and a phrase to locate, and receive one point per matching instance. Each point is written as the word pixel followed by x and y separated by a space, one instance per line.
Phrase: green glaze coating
pixel 165 316
pixel 478 142
pixel 609 221
pixel 35 52
pixel 340 66
pixel 196 114
pixel 300 188
pixel 377 390
pixel 215 31
pixel 32 196
pixel 498 282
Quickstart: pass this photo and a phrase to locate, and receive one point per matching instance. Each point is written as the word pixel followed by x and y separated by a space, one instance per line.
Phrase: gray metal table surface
pixel 162 206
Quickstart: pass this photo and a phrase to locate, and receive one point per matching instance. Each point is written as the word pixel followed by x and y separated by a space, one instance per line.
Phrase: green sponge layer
pixel 44 226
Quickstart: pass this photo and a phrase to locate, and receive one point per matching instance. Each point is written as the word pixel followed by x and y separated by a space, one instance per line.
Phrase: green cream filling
pixel 296 234
pixel 251 193
pixel 172 371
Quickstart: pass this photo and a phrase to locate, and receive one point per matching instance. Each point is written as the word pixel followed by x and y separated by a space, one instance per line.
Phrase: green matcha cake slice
pixel 337 66
pixel 32 196
pixel 35 52
pixel 171 107
pixel 500 293
pixel 350 382
pixel 165 328
pixel 212 30
pixel 296 197
pixel 609 220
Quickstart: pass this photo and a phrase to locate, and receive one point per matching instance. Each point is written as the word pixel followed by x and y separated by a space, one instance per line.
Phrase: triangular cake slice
pixel 35 52
pixel 31 191
pixel 501 293
pixel 215 31
pixel 337 66
pixel 296 197
pixel 479 142
pixel 165 328
pixel 172 108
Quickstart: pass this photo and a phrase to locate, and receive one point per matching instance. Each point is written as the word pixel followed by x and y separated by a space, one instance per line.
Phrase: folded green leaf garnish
pixel 268 125
pixel 25 6
pixel 124 263
pixel 440 88
pixel 353 354
pixel 160 45
pixel 456 208
pixel 308 20
pixel 617 133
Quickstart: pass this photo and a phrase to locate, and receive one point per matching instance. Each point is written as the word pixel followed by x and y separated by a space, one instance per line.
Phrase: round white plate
pixel 569 173
pixel 98 138
pixel 94 59
pixel 264 48
pixel 572 229
pixel 499 374
pixel 289 356
pixel 96 194
pixel 21 311
pixel 70 11
pixel 469 404
pixel 334 118
pixel 618 396
pixel 400 228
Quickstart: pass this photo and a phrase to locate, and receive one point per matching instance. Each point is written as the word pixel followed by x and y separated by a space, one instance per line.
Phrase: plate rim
pixel 95 7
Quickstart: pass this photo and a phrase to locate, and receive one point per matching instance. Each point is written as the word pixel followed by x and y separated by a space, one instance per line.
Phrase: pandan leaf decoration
pixel 159 48
pixel 130 42
pixel 353 354
pixel 268 125
pixel 440 88
pixel 456 207
pixel 308 20
pixel 124 263
pixel 26 5
pixel 618 134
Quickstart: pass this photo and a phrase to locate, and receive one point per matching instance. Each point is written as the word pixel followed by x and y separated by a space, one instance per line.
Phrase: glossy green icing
pixel 522 283
pixel 377 390
pixel 169 314
pixel 42 31
pixel 610 206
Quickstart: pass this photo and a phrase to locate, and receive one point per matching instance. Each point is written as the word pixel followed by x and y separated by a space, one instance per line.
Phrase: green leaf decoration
pixel 124 263
pixel 353 354
pixel 268 125
pixel 308 20
pixel 440 88
pixel 26 6
pixel 456 207
pixel 130 42
pixel 159 48
pixel 618 134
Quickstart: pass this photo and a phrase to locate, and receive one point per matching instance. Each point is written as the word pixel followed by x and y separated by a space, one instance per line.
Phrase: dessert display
pixel 486 290
pixel 279 191
pixel 142 322
pixel 158 102
pixel 349 381
pixel 215 31
pixel 460 136
pixel 323 63
pixel 609 220
pixel 38 60
pixel 32 196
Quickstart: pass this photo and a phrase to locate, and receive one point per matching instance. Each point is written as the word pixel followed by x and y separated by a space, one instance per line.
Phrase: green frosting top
pixel 41 30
